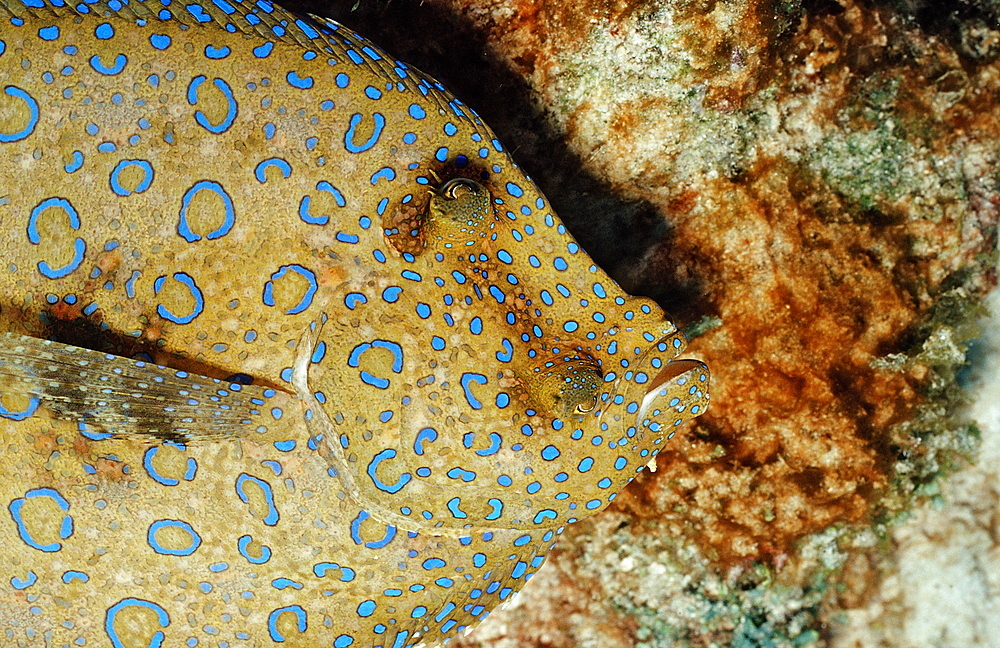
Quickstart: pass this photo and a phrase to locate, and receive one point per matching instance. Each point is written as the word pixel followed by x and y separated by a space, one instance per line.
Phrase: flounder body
pixel 423 377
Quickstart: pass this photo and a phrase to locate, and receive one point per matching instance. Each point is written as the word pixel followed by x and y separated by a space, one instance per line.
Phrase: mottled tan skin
pixel 113 500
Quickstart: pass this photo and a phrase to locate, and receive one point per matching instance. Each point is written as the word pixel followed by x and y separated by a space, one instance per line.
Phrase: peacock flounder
pixel 393 376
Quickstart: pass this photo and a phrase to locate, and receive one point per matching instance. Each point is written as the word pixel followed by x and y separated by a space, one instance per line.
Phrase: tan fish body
pixel 439 378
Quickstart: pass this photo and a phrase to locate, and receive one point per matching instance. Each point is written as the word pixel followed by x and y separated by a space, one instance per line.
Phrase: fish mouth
pixel 658 393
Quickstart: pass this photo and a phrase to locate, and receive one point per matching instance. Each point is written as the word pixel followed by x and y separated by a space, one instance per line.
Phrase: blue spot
pixel 26 582
pixel 351 300
pixel 302 83
pixel 261 171
pixel 417 111
pixel 264 50
pixel 437 343
pixel 541 516
pixel 386 173
pixel 342 80
pixel 49 33
pixel 159 41
pixel 71 576
pixel 346 573
pixel 110 70
pixel 188 282
pixel 355 120
pixel 373 93
pixel 550 452
pixel 424 436
pixel 205 185
pixel 460 473
pixel 307 297
pixel 456 512
pixel 366 608
pixel 216 53
pixel 104 31
pixel 495 442
pixel 391 294
pixel 195 539
pixel 74 165
pixel 467 378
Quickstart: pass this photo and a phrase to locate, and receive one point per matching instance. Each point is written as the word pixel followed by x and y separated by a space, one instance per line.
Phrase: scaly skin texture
pixel 441 378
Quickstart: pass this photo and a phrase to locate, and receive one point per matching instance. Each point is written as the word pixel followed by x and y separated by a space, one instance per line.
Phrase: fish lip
pixel 641 387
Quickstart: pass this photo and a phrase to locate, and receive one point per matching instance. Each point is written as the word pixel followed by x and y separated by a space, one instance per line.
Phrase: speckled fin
pixel 119 396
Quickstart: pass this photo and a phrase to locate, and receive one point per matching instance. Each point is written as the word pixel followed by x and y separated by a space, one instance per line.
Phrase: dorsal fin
pixel 122 397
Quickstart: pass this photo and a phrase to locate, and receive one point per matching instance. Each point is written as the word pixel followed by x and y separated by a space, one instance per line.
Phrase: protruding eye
pixel 457 188
pixel 567 385
pixel 461 213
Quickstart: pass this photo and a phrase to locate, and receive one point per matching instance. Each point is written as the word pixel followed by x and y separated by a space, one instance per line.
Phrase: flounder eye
pixel 461 213
pixel 457 188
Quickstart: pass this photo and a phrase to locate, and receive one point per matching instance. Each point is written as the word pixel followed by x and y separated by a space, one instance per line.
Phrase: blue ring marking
pixel 346 573
pixel 199 299
pixel 244 542
pixel 26 582
pixel 456 512
pixel 307 298
pixel 354 359
pixel 72 575
pixel 349 142
pixel 272 621
pixel 143 185
pixel 272 511
pixel 495 441
pixel 302 83
pixel 351 300
pixel 425 435
pixel 65 528
pixel 177 524
pixel 14 91
pixel 147 463
pixel 385 455
pixel 192 98
pixel 109 621
pixel 79 246
pixel 467 378
pixel 261 170
pixel 322 185
pixel 497 509
pixel 111 70
pixel 28 411
pixel 205 185
pixel 390 532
